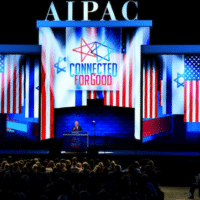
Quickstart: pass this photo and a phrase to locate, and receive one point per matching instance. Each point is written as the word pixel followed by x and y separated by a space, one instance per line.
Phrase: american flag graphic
pixel 124 97
pixel 150 86
pixel 47 92
pixel 11 83
pixel 191 88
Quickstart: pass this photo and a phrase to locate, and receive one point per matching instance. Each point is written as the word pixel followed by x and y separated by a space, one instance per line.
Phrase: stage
pixel 127 95
pixel 103 152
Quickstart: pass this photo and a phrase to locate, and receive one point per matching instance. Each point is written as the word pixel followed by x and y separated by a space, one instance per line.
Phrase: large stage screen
pixel 171 98
pixel 93 72
pixel 19 97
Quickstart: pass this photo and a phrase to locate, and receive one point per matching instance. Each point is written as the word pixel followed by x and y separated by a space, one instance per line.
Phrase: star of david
pixel 179 84
pixel 87 53
pixel 109 51
pixel 92 49
pixel 57 65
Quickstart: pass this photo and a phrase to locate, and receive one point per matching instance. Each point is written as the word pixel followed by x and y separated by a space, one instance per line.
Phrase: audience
pixel 77 179
pixel 85 169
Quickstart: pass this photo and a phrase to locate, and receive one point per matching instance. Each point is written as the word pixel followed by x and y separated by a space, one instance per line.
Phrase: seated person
pixel 76 127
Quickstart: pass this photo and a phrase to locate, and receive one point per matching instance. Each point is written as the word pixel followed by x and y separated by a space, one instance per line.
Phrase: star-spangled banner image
pixel 191 88
pixel 11 84
pixel 150 88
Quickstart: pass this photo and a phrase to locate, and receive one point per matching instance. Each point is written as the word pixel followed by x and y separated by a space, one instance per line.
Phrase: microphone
pixel 93 122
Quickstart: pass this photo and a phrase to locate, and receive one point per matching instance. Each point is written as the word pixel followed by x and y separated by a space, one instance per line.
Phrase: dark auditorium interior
pixel 121 154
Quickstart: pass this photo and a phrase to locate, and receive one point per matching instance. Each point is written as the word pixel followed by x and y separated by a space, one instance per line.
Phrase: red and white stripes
pixel 124 97
pixel 92 94
pixel 47 90
pixel 11 85
pixel 191 101
pixel 150 85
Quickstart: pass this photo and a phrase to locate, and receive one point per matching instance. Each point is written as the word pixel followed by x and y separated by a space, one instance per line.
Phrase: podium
pixel 75 141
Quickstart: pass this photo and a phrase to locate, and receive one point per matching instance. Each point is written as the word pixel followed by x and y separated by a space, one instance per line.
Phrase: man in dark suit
pixel 76 127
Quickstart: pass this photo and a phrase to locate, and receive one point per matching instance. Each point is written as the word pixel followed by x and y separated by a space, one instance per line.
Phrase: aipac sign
pixel 90 7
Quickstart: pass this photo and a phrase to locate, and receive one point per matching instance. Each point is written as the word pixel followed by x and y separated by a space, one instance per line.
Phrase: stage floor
pixel 125 152
pixel 178 193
